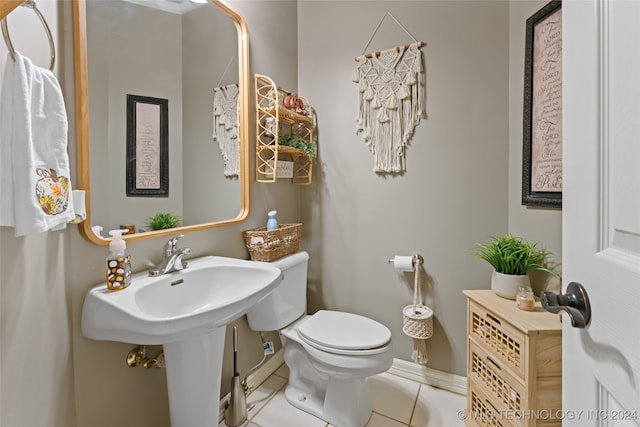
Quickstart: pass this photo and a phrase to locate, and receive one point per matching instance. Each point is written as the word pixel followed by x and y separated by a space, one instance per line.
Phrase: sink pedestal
pixel 194 370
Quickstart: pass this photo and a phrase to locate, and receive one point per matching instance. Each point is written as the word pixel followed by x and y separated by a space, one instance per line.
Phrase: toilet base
pixel 333 387
pixel 346 402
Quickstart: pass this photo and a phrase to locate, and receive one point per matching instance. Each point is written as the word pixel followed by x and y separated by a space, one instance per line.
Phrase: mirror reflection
pixel 172 54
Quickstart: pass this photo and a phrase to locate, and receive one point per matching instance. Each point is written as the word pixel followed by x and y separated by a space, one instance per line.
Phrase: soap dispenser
pixel 272 222
pixel 118 262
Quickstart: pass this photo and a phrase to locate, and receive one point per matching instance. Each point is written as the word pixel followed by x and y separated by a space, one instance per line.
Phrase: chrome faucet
pixel 171 258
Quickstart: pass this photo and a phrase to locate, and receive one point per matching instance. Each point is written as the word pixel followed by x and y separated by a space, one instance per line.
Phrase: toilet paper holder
pixel 417 260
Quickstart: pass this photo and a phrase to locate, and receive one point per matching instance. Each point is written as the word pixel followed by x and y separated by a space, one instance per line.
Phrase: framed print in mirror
pixel 147 146
pixel 542 124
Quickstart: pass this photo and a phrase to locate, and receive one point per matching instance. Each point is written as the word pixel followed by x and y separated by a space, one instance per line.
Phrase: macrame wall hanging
pixel 391 88
pixel 225 124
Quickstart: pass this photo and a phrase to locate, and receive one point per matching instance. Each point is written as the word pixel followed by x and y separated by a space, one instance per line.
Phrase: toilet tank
pixel 288 301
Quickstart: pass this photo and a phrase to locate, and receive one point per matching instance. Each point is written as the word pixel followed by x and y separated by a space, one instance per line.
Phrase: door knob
pixel 575 303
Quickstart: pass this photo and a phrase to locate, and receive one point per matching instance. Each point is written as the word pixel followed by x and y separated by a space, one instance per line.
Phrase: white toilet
pixel 330 354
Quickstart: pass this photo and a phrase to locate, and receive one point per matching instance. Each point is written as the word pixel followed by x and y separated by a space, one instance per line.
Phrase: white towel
pixel 35 189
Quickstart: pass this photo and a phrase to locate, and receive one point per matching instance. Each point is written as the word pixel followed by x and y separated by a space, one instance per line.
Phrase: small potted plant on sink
pixel 512 258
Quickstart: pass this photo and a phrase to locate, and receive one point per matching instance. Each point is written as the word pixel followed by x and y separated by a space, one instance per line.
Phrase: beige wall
pixel 463 179
pixel 454 192
pixel 457 190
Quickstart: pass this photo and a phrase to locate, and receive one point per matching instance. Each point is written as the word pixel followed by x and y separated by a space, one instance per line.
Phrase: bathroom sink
pixel 186 311
pixel 212 292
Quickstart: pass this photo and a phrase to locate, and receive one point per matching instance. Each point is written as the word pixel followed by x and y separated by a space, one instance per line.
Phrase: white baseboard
pixel 444 380
pixel 402 368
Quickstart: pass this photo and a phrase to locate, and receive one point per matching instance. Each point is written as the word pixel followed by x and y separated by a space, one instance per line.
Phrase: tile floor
pixel 396 402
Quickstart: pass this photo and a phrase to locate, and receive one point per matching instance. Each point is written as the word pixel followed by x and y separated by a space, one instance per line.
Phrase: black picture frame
pixel 542 112
pixel 147 168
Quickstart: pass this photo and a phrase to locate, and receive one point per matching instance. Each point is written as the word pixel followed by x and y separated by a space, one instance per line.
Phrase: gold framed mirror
pixel 85 160
pixel 7 6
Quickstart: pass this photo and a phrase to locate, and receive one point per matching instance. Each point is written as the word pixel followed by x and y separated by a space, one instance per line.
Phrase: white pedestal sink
pixel 187 312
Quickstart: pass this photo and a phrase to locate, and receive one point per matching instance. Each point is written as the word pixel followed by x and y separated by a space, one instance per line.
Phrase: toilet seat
pixel 344 333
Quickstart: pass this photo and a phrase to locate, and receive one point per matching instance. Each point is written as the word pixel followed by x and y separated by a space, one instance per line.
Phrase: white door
pixel 601 209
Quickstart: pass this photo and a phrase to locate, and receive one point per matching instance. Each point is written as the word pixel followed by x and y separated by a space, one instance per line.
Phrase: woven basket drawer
pixel 482 411
pixel 509 393
pixel 507 344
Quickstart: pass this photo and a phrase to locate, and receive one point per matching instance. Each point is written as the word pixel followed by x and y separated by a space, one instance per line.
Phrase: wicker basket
pixel 271 245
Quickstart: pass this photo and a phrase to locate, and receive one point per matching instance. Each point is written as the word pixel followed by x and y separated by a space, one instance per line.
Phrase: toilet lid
pixel 344 331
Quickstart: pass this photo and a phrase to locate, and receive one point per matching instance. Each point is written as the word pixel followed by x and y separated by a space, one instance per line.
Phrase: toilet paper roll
pixel 417 312
pixel 403 263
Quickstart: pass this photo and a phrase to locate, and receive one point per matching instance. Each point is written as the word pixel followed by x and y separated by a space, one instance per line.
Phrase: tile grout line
pixel 389 418
pixel 415 403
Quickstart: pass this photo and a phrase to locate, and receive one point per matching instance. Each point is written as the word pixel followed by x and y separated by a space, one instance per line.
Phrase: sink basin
pixel 186 312
pixel 212 292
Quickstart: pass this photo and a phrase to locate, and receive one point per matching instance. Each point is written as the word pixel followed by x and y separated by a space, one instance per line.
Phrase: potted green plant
pixel 163 220
pixel 306 146
pixel 512 258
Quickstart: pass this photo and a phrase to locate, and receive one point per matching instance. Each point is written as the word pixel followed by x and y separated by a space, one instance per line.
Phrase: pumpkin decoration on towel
pixel 52 191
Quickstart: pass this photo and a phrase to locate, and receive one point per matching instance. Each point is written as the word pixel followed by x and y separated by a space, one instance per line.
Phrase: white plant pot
pixel 507 285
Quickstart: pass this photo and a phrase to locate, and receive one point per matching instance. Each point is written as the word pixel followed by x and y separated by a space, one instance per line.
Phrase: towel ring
pixel 5 33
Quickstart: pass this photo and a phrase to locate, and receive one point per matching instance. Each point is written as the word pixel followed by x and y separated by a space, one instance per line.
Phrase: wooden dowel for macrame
pixel 223 87
pixel 398 49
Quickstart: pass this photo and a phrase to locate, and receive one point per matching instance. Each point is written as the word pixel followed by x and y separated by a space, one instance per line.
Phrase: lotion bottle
pixel 118 262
